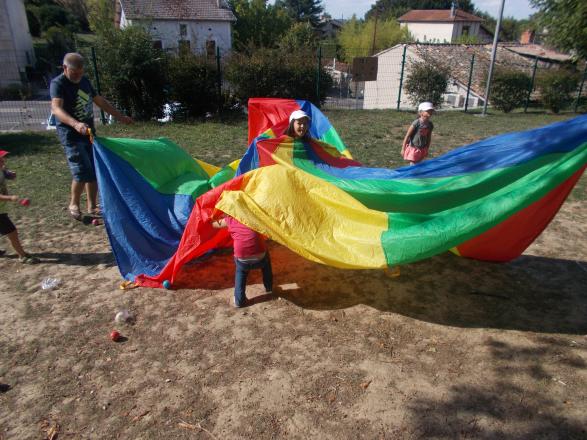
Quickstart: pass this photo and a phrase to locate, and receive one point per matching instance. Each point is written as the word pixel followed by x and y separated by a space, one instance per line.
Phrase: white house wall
pixel 16 44
pixel 431 32
pixel 168 32
pixel 383 93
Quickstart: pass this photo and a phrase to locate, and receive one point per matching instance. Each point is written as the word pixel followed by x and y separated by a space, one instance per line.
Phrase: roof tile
pixel 177 10
pixel 437 15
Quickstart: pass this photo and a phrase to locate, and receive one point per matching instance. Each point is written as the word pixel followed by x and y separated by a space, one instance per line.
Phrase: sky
pixel 346 8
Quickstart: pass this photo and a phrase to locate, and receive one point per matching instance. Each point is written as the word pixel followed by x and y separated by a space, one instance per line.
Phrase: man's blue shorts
pixel 79 153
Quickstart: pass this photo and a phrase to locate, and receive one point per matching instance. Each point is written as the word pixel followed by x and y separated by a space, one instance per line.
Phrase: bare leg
pixel 92 192
pixel 77 188
pixel 15 242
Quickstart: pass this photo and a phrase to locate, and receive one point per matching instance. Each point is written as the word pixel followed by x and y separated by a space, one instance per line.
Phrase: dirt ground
pixel 453 348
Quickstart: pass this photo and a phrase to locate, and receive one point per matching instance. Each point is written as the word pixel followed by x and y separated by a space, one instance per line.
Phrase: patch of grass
pixel 373 136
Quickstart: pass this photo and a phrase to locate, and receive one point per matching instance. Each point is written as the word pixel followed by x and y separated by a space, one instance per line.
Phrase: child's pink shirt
pixel 246 242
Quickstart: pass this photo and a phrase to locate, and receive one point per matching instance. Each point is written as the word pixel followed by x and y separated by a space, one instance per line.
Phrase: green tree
pixel 510 29
pixel 566 23
pixel 427 80
pixel 77 8
pixel 53 15
pixel 356 36
pixel 299 36
pixel 133 73
pixel 387 9
pixel 192 81
pixel 258 24
pixel 302 10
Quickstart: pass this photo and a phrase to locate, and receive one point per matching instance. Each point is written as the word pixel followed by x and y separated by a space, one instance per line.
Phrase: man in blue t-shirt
pixel 72 100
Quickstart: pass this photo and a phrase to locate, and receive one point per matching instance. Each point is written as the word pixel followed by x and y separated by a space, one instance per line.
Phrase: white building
pixel 16 43
pixel 383 93
pixel 200 25
pixel 441 25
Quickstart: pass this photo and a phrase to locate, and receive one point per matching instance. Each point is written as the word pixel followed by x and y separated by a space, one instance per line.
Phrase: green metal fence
pixel 25 103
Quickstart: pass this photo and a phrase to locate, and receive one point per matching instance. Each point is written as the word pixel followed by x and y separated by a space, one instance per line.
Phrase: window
pixel 183 45
pixel 158 44
pixel 211 48
pixel 183 30
pixel 466 30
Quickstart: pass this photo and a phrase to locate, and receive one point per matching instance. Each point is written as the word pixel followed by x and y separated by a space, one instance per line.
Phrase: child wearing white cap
pixel 299 125
pixel 417 140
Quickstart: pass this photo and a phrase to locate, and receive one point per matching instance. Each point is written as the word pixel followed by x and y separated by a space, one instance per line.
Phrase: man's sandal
pixel 96 212
pixel 75 213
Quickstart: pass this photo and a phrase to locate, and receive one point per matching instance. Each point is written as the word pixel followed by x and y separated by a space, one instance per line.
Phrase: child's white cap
pixel 425 106
pixel 299 114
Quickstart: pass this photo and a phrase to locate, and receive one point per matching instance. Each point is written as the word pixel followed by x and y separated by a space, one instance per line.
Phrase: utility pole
pixel 374 30
pixel 493 52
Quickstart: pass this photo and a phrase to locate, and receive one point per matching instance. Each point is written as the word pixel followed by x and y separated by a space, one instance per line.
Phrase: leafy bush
pixel 277 73
pixel 132 72
pixel 193 83
pixel 556 88
pixel 426 80
pixel 509 90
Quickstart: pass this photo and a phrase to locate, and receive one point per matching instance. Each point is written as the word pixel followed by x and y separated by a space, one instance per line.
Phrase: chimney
pixel 452 10
pixel 527 37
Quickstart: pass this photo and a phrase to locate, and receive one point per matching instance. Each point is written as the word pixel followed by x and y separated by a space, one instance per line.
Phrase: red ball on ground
pixel 115 335
pixel 25 202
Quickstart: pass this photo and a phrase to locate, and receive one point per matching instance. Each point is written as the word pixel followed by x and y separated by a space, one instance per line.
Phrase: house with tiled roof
pixel 441 25
pixel 384 91
pixel 201 26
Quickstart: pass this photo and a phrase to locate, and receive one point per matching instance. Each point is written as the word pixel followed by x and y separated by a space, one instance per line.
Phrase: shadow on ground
pixel 505 406
pixel 77 259
pixel 529 294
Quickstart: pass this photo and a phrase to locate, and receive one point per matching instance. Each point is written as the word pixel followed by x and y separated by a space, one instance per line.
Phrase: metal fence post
pixel 469 82
pixel 531 84
pixel 318 76
pixel 98 89
pixel 401 77
pixel 218 80
pixel 580 89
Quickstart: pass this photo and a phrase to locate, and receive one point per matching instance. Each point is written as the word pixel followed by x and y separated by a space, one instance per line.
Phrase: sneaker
pixel 28 259
pixel 240 305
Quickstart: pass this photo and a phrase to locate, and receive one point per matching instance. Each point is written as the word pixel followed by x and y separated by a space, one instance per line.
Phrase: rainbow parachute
pixel 488 200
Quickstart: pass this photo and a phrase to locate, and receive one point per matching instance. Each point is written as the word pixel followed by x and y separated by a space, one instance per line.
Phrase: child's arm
pixel 429 140
pixel 9 198
pixel 407 138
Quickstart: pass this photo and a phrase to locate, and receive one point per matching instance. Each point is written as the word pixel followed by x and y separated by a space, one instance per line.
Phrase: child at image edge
pixel 7 228
pixel 417 140
pixel 250 253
